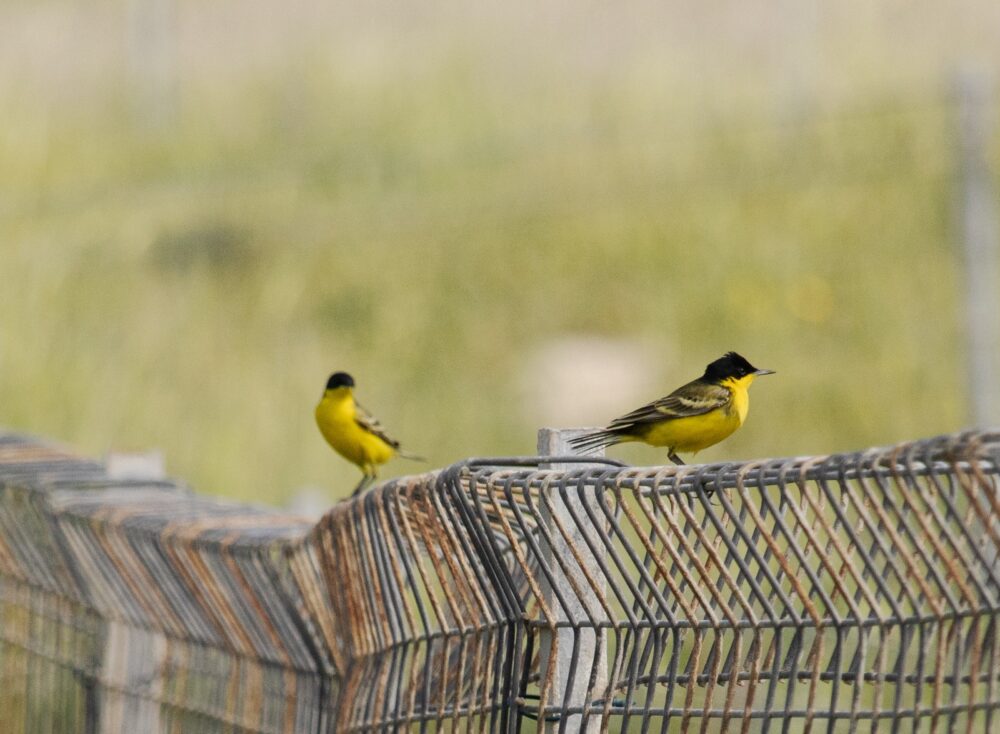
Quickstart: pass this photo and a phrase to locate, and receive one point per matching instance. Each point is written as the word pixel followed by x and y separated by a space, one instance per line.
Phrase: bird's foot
pixel 677 460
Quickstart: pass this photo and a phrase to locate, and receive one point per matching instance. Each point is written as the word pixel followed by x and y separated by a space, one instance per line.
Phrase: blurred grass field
pixel 430 221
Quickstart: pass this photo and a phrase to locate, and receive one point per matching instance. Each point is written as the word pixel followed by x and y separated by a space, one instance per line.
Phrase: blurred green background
pixel 495 218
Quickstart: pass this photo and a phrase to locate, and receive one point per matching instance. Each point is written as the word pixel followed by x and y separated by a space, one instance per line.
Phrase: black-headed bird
pixel 691 418
pixel 353 432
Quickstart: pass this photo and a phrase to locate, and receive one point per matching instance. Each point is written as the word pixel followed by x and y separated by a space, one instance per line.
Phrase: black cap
pixel 730 364
pixel 339 379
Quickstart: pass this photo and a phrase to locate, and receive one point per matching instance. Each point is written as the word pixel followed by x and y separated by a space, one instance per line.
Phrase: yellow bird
pixel 353 432
pixel 691 418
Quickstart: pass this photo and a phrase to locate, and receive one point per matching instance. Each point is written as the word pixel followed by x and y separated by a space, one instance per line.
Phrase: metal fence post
pixel 148 465
pixel 554 442
pixel 980 233
pixel 133 662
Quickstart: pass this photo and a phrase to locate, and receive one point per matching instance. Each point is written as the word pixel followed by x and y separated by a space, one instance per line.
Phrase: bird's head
pixel 339 379
pixel 732 367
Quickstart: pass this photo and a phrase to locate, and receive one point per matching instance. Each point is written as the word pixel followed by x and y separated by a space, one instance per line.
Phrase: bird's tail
pixel 407 455
pixel 588 443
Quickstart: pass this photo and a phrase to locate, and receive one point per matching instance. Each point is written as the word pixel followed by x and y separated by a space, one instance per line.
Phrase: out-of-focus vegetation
pixel 425 201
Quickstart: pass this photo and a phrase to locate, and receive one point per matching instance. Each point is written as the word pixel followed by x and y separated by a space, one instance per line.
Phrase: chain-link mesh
pixel 855 592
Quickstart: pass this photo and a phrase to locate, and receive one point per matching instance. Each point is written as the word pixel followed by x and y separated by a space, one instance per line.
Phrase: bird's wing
pixel 695 398
pixel 370 423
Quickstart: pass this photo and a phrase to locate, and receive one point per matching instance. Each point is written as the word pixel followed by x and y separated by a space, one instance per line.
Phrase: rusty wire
pixel 854 592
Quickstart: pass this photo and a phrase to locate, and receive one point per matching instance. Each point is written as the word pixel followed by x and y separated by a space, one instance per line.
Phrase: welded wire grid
pixel 854 592
pixel 132 606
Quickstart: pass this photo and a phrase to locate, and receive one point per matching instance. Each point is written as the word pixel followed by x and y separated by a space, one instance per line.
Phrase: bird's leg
pixel 677 460
pixel 365 481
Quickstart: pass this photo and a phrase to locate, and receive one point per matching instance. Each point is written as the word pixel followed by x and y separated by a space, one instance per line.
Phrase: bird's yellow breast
pixel 741 397
pixel 697 432
pixel 335 416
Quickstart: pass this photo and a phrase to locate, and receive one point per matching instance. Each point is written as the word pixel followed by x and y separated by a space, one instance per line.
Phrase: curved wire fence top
pixel 845 592
pixel 844 589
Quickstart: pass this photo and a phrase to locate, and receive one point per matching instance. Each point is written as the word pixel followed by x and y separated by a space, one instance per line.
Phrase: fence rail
pixel 836 593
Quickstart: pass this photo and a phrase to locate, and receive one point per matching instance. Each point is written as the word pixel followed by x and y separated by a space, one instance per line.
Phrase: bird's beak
pixel 764 372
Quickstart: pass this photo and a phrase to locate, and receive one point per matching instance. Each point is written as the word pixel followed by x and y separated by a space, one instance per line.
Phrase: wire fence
pixel 853 592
